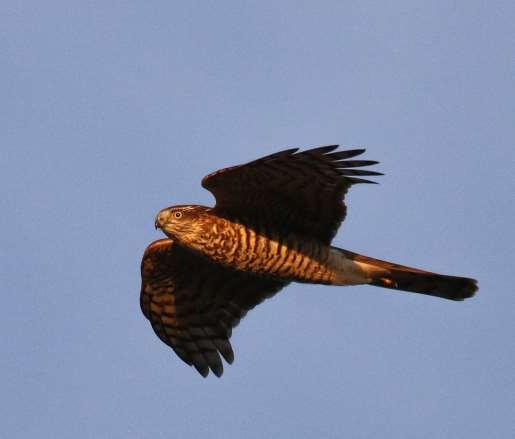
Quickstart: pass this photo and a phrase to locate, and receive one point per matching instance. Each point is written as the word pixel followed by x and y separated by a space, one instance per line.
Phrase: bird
pixel 272 224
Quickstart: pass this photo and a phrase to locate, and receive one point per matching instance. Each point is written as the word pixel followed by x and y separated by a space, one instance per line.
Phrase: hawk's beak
pixel 161 218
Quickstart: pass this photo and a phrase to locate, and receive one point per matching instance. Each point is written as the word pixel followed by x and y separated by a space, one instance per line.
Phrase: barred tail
pixel 399 277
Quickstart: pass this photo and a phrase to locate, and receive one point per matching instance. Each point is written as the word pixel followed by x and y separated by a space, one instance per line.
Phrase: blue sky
pixel 113 110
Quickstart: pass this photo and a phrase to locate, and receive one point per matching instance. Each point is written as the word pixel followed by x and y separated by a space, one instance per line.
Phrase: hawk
pixel 272 224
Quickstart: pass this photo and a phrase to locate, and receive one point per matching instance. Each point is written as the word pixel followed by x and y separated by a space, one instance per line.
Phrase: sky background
pixel 110 111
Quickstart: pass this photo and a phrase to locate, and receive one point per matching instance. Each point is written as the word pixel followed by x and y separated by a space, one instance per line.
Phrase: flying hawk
pixel 272 224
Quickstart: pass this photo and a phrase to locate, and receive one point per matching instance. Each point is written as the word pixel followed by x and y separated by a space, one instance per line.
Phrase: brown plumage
pixel 273 223
pixel 193 304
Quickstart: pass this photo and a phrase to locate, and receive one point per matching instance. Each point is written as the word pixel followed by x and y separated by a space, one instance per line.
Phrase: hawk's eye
pixel 177 215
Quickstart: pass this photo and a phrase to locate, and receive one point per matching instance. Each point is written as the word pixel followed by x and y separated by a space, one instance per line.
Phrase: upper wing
pixel 193 304
pixel 299 192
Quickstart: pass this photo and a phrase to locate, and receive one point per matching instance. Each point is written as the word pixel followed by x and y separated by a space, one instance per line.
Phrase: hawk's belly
pixel 291 258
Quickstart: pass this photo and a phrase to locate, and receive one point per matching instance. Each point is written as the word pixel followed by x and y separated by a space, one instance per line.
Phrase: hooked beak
pixel 161 218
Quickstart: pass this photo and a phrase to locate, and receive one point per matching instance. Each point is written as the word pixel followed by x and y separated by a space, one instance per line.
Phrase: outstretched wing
pixel 299 192
pixel 193 304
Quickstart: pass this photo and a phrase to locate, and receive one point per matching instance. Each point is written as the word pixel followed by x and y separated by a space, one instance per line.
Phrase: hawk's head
pixel 184 223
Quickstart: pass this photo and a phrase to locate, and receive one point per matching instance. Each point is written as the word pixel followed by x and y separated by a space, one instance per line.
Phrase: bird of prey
pixel 272 224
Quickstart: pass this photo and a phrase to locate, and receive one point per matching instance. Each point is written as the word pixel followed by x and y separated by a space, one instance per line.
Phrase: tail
pixel 399 277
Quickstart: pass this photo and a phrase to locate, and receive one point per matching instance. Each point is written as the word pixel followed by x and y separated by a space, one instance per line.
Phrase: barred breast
pixel 291 258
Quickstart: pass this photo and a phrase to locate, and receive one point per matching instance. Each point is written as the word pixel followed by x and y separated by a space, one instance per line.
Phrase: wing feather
pixel 291 191
pixel 193 304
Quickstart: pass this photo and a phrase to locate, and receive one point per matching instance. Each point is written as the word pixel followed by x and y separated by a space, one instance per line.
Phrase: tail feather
pixel 399 277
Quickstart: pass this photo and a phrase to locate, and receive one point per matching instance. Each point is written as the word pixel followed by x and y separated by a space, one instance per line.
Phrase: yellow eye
pixel 177 214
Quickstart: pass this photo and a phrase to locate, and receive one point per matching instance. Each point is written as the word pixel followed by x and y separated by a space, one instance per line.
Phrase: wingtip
pixel 228 355
pixel 288 151
pixel 325 149
pixel 204 371
pixel 218 371
pixel 345 154
pixel 355 180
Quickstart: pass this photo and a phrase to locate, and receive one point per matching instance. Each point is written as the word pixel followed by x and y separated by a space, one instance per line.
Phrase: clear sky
pixel 110 111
